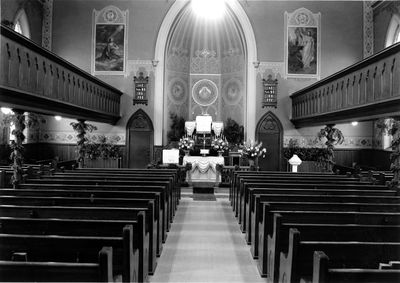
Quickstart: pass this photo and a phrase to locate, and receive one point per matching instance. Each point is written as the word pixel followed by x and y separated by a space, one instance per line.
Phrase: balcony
pixel 35 79
pixel 366 90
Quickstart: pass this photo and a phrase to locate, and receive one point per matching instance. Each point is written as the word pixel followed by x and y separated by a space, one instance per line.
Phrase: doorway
pixel 139 135
pixel 269 131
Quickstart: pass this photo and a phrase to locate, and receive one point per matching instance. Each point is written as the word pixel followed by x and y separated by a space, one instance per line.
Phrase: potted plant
pixel 333 137
pixel 177 128
pixel 17 118
pixel 220 145
pixel 392 127
pixel 313 158
pixel 186 144
pixel 81 128
pixel 103 153
pixel 252 150
pixel 233 133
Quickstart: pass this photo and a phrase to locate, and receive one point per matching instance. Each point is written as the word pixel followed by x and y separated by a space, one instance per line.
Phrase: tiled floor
pixel 205 245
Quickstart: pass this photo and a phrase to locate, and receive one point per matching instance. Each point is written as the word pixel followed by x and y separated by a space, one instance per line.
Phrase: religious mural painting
pixel 302 44
pixel 109 41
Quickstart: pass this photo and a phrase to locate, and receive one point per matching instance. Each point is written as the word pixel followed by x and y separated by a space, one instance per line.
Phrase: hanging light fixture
pixel 6 110
pixel 209 9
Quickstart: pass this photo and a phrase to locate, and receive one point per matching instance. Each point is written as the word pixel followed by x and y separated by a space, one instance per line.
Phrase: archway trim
pixel 159 61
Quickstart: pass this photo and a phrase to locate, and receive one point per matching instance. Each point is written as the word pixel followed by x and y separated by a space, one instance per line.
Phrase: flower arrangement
pixel 220 144
pixel 252 150
pixel 186 143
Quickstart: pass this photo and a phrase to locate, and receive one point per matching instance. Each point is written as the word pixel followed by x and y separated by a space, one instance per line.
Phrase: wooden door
pixel 270 132
pixel 139 140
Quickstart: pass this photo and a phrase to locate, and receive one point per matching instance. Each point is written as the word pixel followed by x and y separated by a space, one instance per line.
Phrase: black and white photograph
pixel 200 141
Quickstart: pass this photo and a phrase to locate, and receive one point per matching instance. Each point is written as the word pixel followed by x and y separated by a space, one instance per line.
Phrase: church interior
pixel 228 140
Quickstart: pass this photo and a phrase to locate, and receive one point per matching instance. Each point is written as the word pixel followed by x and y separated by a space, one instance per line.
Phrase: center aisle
pixel 205 244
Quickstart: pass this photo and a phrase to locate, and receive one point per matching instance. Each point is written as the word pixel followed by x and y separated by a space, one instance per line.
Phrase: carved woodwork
pixel 140 89
pixel 365 90
pixel 35 79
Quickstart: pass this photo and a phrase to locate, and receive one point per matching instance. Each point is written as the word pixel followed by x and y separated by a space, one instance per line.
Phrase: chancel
pixel 199 141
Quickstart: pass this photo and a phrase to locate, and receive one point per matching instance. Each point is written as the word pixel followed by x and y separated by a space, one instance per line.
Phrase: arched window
pixel 21 24
pixel 393 32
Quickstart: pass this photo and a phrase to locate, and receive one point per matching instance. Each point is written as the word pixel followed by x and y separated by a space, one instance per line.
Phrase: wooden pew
pixel 94 193
pixel 339 189
pixel 339 217
pixel 101 271
pixel 131 216
pixel 278 240
pixel 175 173
pixel 82 249
pixel 322 272
pixel 259 199
pixel 238 175
pixel 245 184
pixel 141 205
pixel 297 262
pixel 136 186
pixel 138 181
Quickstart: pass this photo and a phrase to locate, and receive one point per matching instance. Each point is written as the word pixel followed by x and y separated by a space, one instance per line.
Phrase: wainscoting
pixel 42 151
pixel 374 158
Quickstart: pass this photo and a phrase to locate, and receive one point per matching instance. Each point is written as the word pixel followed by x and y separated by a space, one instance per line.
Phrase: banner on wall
pixel 109 40
pixel 302 44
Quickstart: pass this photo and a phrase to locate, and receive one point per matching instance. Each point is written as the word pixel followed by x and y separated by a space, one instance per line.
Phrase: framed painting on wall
pixel 302 44
pixel 109 41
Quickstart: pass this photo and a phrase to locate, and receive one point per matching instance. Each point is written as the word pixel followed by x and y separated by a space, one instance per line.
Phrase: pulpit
pixel 204 171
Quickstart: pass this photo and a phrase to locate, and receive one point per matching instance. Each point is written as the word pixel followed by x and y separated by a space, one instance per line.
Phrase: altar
pixel 204 170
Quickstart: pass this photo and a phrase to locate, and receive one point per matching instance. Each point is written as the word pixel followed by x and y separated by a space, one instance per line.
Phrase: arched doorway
pixel 139 140
pixel 269 131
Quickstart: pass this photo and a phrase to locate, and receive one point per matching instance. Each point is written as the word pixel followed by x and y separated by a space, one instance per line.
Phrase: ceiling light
pixel 6 110
pixel 209 9
pixel 355 123
pixel 58 118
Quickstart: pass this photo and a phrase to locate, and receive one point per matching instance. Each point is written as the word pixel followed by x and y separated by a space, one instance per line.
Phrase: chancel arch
pixel 139 140
pixel 269 131
pixel 188 51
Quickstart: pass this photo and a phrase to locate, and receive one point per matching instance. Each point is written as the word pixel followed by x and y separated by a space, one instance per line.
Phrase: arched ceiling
pixel 194 36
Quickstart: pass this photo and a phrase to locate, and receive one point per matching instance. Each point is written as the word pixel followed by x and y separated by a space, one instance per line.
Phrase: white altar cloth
pixel 203 168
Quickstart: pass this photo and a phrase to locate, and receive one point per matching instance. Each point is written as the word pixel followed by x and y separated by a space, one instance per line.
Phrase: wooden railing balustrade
pixel 366 90
pixel 35 79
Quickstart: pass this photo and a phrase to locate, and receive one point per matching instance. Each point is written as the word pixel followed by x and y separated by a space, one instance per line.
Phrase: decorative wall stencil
pixel 232 91
pixel 177 91
pixel 313 141
pixel 178 60
pixel 277 68
pixel 232 61
pixel 302 44
pixel 134 66
pixel 368 27
pixel 205 92
pixel 205 62
pixel 109 37
pixel 47 23
pixel 70 137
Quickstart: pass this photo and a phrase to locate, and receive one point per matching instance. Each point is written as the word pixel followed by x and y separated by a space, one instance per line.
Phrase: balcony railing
pixel 34 79
pixel 366 90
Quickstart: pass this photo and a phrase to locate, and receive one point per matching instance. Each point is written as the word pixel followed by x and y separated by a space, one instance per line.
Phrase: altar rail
pixel 35 79
pixel 365 90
